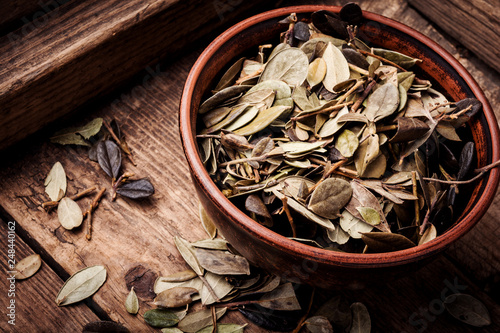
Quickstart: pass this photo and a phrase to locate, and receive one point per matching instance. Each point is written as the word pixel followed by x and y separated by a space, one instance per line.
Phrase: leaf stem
pixel 119 142
pixel 289 216
pixel 120 180
pixel 325 110
pixel 304 317
pixel 481 172
pixel 51 204
pixel 209 287
pixel 88 213
pixel 365 93
pixel 382 59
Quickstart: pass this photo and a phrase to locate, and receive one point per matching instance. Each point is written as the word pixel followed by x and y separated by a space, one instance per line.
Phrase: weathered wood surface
pixel 35 308
pixel 474 24
pixel 128 233
pixel 21 11
pixel 87 49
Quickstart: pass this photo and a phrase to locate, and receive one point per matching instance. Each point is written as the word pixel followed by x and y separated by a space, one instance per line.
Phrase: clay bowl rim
pixel 343 259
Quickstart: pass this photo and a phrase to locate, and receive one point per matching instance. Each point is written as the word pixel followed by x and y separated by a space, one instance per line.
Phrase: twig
pixel 328 109
pixel 481 173
pixel 304 317
pixel 119 142
pixel 350 91
pixel 417 207
pixel 358 69
pixel 209 287
pixel 383 59
pixel 289 216
pixel 88 213
pixel 51 204
pixel 120 180
pixel 365 93
pixel 334 167
pixel 214 320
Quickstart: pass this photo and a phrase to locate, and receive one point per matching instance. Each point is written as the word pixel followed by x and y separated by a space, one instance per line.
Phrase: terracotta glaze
pixel 296 261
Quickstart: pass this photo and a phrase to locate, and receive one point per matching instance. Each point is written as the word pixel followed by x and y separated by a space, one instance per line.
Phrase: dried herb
pixel 109 157
pixel 27 267
pixel 361 322
pixel 78 135
pixel 175 297
pixel 318 324
pixel 81 285
pixel 69 213
pixel 467 309
pixel 195 321
pixel 55 183
pixel 160 318
pixel 221 262
pixel 132 302
pixel 136 189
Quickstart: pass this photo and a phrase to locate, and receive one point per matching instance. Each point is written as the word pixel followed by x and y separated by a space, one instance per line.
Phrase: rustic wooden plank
pixel 475 24
pixel 34 306
pixel 20 12
pixel 91 47
pixel 129 233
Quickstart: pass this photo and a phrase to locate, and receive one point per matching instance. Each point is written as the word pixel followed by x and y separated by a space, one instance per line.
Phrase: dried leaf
pixel 27 267
pixel 289 65
pixel 163 283
pixel 396 57
pixel 182 276
pixel 175 297
pixel 220 286
pixel 263 119
pixel 367 151
pixel 69 214
pixel 207 222
pixel 109 157
pixel 142 280
pixel 187 252
pixel 195 321
pixel 351 13
pixel 338 235
pixel 329 197
pixel 316 72
pixel 468 310
pixel 337 67
pixel 382 102
pixel 361 322
pixel 136 189
pixel 222 262
pixel 171 329
pixel 76 135
pixel 429 234
pixel 447 130
pixel 337 311
pixel 234 141
pixel 465 160
pixel 354 226
pixel 132 302
pixel 254 204
pixel 55 183
pixel 333 125
pixel 347 143
pixel 380 242
pixel 230 76
pixel 271 320
pixel 211 244
pixel 104 326
pixel 473 103
pixel 234 114
pixel 160 318
pixel 318 324
pixel 221 96
pixel 248 114
pixel 409 129
pixel 370 215
pixel 224 328
pixel 281 298
pixel 81 285
pixel 329 24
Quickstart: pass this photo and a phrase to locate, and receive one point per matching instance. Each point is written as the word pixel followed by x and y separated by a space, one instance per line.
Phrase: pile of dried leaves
pixel 337 144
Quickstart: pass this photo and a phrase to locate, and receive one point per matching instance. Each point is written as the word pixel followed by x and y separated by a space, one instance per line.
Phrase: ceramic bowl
pixel 296 261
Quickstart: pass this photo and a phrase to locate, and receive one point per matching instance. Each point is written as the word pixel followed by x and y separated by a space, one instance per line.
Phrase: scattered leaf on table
pixel 187 252
pixel 132 302
pixel 338 312
pixel 211 244
pixel 69 213
pixel 220 286
pixel 330 196
pixel 380 242
pixel 195 321
pixel 222 262
pixel 290 65
pixel 76 135
pixel 182 276
pixel 109 157
pixel 224 328
pixel 160 318
pixel 104 326
pixel 175 297
pixel 55 183
pixel 207 222
pixel 136 189
pixel 361 322
pixel 318 324
pixel 467 309
pixel 27 267
pixel 281 298
pixel 81 285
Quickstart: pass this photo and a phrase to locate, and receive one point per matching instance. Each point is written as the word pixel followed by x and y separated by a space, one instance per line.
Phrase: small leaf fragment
pixel 132 302
pixel 27 267
pixel 55 183
pixel 81 285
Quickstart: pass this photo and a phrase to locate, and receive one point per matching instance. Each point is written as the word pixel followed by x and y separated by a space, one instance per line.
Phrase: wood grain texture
pixel 35 296
pixel 22 11
pixel 129 233
pixel 51 70
pixel 474 24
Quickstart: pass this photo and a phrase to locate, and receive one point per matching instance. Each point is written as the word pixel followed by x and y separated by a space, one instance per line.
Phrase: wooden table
pixel 128 234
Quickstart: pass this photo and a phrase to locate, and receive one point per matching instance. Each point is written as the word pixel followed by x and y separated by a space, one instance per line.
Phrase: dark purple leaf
pixel 330 24
pixel 136 189
pixel 116 128
pixel 301 31
pixel 354 57
pixel 271 319
pixel 104 327
pixel 351 13
pixel 465 103
pixel 465 161
pixel 109 157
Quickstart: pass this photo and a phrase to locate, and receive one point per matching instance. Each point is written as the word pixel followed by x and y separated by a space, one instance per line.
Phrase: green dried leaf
pixel 263 119
pixel 289 65
pixel 396 57
pixel 27 267
pixel 211 244
pixel 69 213
pixel 370 215
pixel 347 143
pixel 298 147
pixel 206 222
pixel 224 328
pixel 221 262
pixel 81 285
pixel 175 297
pixel 55 183
pixel 160 318
pixel 329 197
pixel 380 242
pixel 132 302
pixel 337 67
pixel 171 330
pixel 243 119
pixel 195 321
pixel 136 189
pixel 229 78
pixel 187 252
pixel 467 309
pixel 361 322
pixel 382 102
pixel 215 116
pixel 222 96
pixel 109 157
pixel 281 298
pixel 76 135
pixel 220 286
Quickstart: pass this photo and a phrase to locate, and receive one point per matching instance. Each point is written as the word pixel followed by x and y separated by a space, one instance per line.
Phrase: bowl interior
pixel 445 72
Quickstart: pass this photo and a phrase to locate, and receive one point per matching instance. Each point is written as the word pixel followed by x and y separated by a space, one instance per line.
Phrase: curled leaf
pixel 109 157
pixel 136 189
pixel 55 183
pixel 160 318
pixel 380 242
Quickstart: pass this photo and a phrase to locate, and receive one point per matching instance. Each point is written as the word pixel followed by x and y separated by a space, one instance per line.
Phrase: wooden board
pixel 19 12
pixel 34 307
pixel 474 24
pixel 129 233
pixel 88 49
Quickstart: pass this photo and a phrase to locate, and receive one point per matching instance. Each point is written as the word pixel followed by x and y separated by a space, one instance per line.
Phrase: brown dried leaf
pixel 380 242
pixel 329 197
pixel 221 262
pixel 175 297
pixel 27 267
